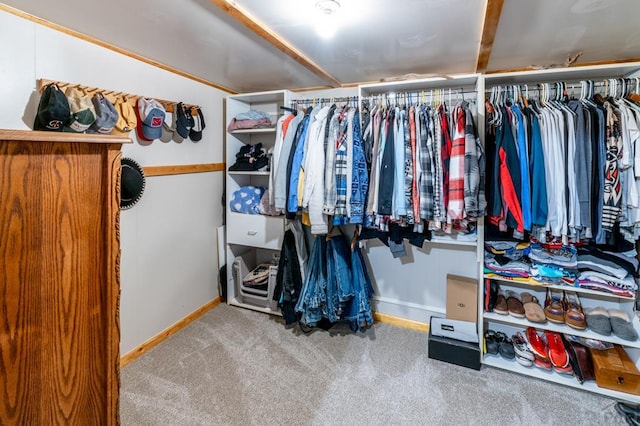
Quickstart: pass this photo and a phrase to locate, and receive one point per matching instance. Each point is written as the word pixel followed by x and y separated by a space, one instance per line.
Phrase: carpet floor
pixel 239 367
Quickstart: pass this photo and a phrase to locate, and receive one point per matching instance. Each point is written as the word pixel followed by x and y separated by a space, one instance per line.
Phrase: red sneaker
pixel 557 353
pixel 537 345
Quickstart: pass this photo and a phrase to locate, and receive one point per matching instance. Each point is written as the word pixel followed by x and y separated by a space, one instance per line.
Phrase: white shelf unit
pixel 588 298
pixel 437 258
pixel 254 237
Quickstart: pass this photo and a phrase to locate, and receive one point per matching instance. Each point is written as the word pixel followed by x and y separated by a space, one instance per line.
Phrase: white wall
pixel 169 253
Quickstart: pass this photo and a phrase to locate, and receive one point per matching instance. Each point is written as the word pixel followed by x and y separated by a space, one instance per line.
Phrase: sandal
pixel 574 316
pixel 491 344
pixel 532 309
pixel 505 346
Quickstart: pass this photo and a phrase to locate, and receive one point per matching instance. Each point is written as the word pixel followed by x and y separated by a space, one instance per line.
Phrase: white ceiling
pixel 376 38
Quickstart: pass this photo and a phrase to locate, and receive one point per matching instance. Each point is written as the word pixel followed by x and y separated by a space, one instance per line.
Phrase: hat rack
pixel 112 95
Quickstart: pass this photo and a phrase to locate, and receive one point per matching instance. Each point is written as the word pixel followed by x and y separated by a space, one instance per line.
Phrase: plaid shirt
pixel 340 213
pixel 438 197
pixel 446 156
pixel 359 177
pixel 456 166
pixel 408 169
pixel 426 182
pixel 475 203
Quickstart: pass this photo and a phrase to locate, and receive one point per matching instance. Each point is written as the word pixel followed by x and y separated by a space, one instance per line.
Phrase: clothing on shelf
pixel 252 119
pixel 564 168
pixel 318 168
pixel 427 166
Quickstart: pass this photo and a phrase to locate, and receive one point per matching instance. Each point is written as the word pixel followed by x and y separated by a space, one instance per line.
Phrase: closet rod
pixel 325 100
pixel 534 86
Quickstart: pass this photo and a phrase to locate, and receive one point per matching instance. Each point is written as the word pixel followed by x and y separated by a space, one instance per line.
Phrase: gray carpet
pixel 239 367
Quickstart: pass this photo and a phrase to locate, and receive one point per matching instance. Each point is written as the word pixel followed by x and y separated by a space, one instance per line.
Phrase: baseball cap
pixel 82 112
pixel 127 120
pixel 53 110
pixel 106 115
pixel 151 115
pixel 184 120
pixel 198 126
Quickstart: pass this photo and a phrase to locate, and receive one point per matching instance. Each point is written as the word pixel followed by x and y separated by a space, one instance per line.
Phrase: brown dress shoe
pixel 553 306
pixel 501 305
pixel 515 305
pixel 574 316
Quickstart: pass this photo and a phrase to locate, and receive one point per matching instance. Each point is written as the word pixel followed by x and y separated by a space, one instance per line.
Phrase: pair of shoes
pixel 490 342
pixel 574 315
pixel 630 412
pixel 539 349
pixel 549 352
pixel 564 307
pixel 524 356
pixel 532 309
pixel 497 342
pixel 491 290
pixel 603 321
pixel 509 304
pixel 558 355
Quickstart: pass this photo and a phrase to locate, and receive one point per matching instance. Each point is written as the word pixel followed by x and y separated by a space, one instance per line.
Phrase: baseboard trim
pixel 160 337
pixel 401 322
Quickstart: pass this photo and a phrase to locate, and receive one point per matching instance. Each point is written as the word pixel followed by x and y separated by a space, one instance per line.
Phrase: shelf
pixel 563 328
pixel 532 283
pixel 259 130
pixel 454 242
pixel 562 379
pixel 235 302
pixel 248 173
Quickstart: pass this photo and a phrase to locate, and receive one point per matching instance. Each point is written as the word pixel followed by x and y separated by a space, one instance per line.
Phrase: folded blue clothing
pixel 565 255
pixel 246 199
pixel 252 114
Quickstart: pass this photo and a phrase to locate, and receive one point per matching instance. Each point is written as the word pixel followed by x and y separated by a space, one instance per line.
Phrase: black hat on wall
pixel 184 120
pixel 195 134
pixel 53 110
pixel 132 183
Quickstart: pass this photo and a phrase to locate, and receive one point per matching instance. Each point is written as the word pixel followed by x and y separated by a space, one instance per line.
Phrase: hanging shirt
pixel 523 156
pixel 296 164
pixel 456 166
pixel 360 180
pixel 399 203
pixel 612 188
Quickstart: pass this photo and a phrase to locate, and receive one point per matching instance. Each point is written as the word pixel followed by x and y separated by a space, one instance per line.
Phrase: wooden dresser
pixel 59 278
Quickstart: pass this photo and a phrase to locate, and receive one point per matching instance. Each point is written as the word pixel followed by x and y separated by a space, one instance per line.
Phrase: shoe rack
pixel 511 325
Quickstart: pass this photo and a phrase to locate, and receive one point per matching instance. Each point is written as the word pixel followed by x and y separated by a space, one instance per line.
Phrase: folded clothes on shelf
pixel 251 119
pixel 250 158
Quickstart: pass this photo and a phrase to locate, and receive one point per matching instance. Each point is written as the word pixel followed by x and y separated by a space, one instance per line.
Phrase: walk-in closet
pixel 320 212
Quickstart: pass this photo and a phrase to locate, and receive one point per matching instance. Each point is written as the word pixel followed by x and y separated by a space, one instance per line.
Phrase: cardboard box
pixel 614 370
pixel 453 351
pixel 462 298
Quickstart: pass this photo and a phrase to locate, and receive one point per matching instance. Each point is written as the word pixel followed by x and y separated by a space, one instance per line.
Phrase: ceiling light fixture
pixel 326 24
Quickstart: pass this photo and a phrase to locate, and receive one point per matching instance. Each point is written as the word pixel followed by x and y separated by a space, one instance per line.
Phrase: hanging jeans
pixel 313 294
pixel 339 279
pixel 358 308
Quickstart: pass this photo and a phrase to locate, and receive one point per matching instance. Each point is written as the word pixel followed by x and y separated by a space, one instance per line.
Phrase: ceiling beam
pixel 491 20
pixel 243 17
